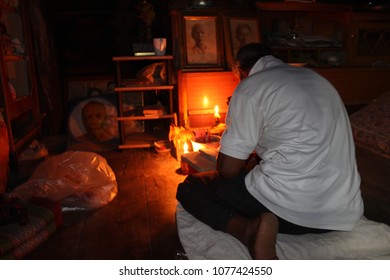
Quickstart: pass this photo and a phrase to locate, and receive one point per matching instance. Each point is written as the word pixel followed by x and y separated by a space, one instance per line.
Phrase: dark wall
pixel 88 33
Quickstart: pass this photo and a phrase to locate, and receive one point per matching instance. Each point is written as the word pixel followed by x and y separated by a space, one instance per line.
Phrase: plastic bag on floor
pixel 80 180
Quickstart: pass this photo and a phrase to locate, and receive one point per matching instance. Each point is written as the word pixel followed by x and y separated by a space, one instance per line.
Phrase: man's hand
pixel 251 162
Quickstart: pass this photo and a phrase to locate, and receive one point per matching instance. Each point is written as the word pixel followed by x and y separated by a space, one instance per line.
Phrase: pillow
pixel 368 240
pixel 371 126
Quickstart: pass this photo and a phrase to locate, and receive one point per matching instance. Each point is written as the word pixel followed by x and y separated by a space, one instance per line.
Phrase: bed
pixel 368 240
pixel 371 126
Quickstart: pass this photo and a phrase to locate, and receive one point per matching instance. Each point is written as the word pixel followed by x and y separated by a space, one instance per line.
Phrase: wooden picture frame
pixel 240 31
pixel 202 46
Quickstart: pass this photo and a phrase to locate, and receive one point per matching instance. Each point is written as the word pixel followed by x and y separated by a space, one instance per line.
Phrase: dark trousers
pixel 214 201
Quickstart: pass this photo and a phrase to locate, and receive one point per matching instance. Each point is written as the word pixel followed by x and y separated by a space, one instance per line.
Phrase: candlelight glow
pixel 216 112
pixel 185 148
pixel 200 92
pixel 205 102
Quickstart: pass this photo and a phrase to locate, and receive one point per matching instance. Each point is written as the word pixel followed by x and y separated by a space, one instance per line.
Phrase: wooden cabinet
pixel 369 39
pixel 350 48
pixel 310 34
pixel 153 98
pixel 18 98
pixel 326 35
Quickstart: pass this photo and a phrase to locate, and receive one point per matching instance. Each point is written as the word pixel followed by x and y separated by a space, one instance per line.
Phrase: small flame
pixel 216 112
pixel 185 147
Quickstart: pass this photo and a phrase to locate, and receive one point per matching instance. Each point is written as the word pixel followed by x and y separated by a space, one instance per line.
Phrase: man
pixel 307 180
pixel 201 52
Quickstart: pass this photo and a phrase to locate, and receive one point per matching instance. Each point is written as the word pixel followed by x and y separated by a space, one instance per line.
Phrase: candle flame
pixel 216 112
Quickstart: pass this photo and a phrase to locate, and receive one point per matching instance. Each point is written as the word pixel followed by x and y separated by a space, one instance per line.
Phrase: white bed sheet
pixel 368 240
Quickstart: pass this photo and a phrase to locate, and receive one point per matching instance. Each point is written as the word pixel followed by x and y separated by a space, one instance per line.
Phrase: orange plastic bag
pixel 80 180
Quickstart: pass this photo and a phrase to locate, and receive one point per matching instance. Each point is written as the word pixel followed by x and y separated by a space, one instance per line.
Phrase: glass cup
pixel 160 46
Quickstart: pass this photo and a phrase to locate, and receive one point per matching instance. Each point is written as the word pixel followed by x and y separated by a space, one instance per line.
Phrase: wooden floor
pixel 140 222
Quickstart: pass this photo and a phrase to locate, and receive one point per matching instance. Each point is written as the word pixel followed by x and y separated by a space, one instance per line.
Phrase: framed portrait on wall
pixel 241 31
pixel 202 45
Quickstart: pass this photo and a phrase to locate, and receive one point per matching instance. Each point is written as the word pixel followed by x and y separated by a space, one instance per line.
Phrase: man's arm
pixel 228 166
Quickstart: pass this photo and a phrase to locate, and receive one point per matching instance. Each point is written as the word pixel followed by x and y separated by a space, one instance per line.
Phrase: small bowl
pixel 163 147
pixel 213 143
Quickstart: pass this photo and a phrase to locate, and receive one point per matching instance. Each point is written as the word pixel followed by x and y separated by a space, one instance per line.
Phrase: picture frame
pixel 240 31
pixel 83 132
pixel 202 47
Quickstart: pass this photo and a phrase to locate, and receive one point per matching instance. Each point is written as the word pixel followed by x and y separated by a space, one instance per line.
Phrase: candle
pixel 216 114
pixel 185 110
pixel 184 165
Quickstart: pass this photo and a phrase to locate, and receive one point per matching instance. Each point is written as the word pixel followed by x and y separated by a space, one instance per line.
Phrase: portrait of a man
pixel 243 32
pixel 201 41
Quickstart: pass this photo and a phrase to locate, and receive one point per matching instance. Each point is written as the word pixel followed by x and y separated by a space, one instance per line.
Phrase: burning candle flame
pixel 216 112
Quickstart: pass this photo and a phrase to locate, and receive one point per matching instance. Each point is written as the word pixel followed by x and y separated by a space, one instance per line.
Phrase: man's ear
pixel 243 74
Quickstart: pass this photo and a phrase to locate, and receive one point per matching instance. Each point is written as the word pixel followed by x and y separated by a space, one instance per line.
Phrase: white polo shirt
pixel 296 122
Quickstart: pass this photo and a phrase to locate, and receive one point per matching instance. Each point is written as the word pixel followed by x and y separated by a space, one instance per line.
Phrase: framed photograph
pixel 93 125
pixel 241 31
pixel 202 45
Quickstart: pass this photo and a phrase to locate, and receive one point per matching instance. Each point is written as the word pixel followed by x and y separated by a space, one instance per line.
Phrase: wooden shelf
pixel 31 134
pixel 130 86
pixel 151 117
pixel 141 140
pixel 19 96
pixel 143 88
pixel 139 58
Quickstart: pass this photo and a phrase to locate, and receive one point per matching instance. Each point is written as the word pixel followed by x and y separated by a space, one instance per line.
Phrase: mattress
pixel 368 240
